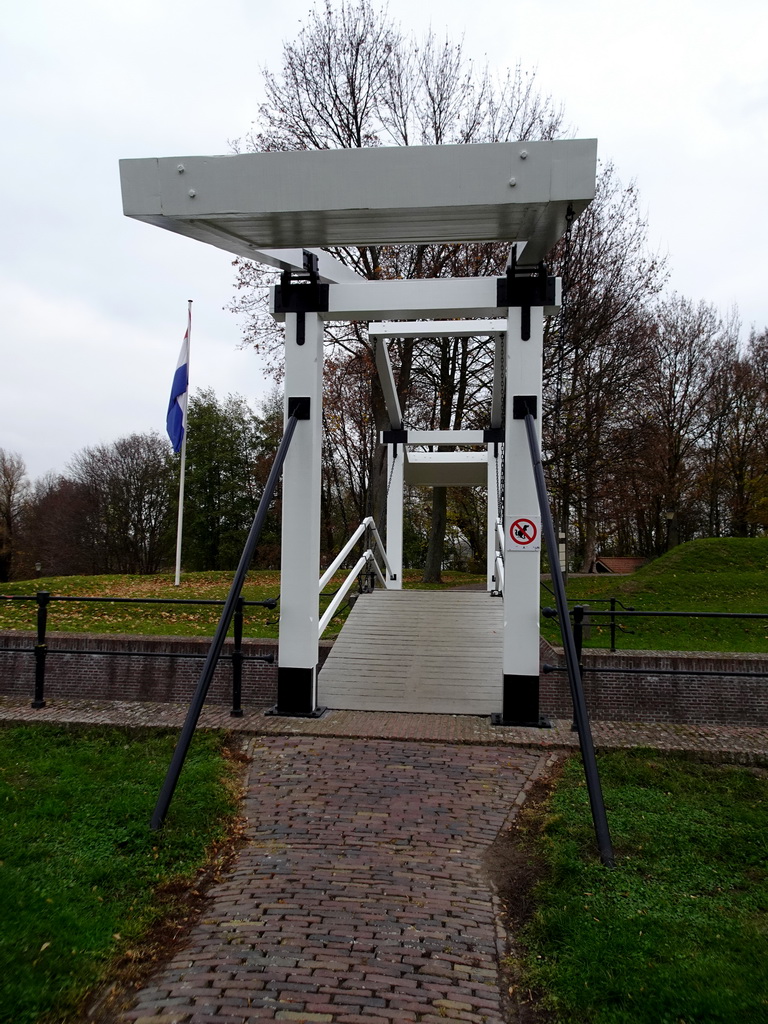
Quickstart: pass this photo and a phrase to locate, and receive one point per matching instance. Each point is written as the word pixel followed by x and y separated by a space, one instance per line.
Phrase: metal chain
pixel 499 458
pixel 564 329
pixel 502 489
pixel 392 469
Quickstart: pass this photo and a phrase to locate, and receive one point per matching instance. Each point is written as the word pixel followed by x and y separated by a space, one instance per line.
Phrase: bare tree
pixel 13 491
pixel 55 528
pixel 128 488
pixel 349 439
pixel 733 451
pixel 352 79
pixel 675 397
pixel 596 354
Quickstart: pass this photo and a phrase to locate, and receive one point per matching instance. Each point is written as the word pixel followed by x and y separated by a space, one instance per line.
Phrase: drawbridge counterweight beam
pixel 251 202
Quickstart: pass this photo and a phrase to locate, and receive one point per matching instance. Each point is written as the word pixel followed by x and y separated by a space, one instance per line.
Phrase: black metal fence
pixel 41 651
pixel 582 614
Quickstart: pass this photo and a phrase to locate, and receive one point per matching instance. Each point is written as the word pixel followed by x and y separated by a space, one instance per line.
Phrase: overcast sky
pixel 93 305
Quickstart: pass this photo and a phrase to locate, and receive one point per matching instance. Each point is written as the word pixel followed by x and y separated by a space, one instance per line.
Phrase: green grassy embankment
pixel 717 575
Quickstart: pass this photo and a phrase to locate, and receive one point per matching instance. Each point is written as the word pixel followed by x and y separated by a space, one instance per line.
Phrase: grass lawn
pixel 170 620
pixel 82 876
pixel 717 575
pixel 677 933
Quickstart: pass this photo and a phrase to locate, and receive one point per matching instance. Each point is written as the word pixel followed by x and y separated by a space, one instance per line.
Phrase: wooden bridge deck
pixel 418 650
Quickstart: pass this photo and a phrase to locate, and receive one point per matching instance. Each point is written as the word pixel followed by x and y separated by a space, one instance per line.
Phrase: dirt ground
pixel 515 870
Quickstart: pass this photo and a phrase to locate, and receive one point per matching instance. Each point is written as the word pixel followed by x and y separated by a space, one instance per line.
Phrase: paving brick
pixel 371 901
pixel 304 1018
pixel 165 1018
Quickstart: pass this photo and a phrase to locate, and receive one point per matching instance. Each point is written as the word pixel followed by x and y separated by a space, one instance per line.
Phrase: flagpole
pixel 182 470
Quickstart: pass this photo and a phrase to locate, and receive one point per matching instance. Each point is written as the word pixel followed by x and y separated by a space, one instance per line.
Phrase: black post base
pixel 520 700
pixel 317 713
pixel 296 689
pixel 542 723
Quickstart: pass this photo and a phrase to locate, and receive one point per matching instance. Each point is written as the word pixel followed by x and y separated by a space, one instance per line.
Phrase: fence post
pixel 41 648
pixel 578 642
pixel 237 661
pixel 613 625
pixel 578 630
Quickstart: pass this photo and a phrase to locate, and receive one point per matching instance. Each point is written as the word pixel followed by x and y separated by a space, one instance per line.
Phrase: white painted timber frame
pixel 300 546
pixel 518 365
pixel 437 328
pixel 436 469
pixel 522 571
pixel 272 207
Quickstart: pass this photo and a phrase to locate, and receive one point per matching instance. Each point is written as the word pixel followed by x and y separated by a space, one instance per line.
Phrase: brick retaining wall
pixel 648 697
pixel 111 677
pixel 689 698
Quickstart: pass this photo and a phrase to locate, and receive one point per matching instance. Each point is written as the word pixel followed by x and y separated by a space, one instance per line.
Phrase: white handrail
pixel 328 574
pixel 341 593
pixel 365 558
pixel 500 538
pixel 499 566
pixel 499 560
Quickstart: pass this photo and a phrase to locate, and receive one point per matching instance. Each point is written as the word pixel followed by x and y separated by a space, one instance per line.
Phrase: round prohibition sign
pixel 523 532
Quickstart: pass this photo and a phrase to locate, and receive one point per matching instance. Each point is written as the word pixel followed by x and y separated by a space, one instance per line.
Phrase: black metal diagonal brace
pixel 580 715
pixel 196 706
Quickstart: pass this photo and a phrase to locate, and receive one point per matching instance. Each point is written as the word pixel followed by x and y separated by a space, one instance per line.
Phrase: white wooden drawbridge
pixel 275 207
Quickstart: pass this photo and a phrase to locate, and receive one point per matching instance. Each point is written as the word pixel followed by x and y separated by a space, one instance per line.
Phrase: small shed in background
pixel 619 566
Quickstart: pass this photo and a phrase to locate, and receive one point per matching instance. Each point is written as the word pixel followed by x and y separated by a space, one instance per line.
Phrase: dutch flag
pixel 176 420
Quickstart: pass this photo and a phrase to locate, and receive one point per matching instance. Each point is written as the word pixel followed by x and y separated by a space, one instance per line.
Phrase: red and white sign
pixel 524 533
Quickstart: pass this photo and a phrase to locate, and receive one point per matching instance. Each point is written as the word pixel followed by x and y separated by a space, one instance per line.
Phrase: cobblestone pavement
pixel 360 895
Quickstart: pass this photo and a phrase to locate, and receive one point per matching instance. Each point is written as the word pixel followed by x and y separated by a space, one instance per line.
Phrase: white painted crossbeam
pixel 436 297
pixel 446 469
pixel 436 328
pixel 421 437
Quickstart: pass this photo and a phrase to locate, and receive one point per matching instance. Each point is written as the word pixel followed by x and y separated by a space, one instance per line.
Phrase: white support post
pixel 300 559
pixel 522 525
pixel 493 513
pixel 395 498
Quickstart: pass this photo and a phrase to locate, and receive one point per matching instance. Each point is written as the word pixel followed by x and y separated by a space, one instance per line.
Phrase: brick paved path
pixel 360 896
